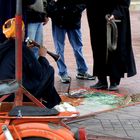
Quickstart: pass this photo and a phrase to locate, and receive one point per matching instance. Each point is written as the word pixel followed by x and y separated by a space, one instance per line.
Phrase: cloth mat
pixel 20 111
pixel 96 101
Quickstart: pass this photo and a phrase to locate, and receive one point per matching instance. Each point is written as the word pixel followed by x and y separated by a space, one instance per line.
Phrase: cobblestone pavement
pixel 124 122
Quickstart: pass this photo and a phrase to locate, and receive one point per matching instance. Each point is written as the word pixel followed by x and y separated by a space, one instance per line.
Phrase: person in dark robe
pixel 38 75
pixel 119 61
pixel 8 10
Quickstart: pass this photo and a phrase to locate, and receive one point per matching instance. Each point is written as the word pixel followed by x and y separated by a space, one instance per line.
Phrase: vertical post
pixel 18 54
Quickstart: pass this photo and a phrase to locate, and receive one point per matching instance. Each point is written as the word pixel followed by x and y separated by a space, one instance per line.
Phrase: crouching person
pixel 38 75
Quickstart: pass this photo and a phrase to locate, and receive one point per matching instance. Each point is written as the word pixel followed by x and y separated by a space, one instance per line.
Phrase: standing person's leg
pixel 101 84
pixel 38 37
pixel 39 33
pixel 31 33
pixel 75 38
pixel 59 43
pixel 31 30
pixel 114 83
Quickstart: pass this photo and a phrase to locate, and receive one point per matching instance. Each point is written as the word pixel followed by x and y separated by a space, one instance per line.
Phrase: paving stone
pixel 134 133
pixel 117 133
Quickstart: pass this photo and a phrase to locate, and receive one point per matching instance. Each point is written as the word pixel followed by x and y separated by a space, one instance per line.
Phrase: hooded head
pixel 9 28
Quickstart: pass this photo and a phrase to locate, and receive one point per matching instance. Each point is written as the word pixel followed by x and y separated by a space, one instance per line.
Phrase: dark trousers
pixel 47 90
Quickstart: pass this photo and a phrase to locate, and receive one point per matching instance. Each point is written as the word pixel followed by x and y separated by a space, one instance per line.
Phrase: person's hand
pixel 46 21
pixel 30 45
pixel 111 18
pixel 42 51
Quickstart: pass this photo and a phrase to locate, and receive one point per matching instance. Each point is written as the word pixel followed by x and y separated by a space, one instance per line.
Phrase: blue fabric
pixel 35 32
pixel 74 36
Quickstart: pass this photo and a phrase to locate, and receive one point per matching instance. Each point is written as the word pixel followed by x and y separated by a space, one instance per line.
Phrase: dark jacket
pixel 122 60
pixel 35 72
pixel 36 12
pixel 8 10
pixel 66 13
pixel 34 16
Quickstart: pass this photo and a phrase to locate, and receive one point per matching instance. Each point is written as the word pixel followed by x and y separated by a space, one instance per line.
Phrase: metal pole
pixel 18 54
pixel 19 41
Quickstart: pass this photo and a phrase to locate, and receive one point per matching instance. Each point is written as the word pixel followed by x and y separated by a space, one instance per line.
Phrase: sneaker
pixel 60 108
pixel 85 76
pixel 68 107
pixel 65 78
pixel 65 107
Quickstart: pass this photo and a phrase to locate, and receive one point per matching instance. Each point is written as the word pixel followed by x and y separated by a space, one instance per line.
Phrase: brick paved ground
pixel 124 122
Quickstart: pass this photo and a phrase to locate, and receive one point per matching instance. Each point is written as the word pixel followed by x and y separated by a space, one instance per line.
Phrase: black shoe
pixel 99 85
pixel 85 76
pixel 113 87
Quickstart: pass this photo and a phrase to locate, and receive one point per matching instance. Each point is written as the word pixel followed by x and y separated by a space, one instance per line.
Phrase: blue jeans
pixel 35 32
pixel 75 39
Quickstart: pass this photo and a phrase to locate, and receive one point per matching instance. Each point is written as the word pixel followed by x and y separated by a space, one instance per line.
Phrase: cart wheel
pixel 40 131
pixel 35 138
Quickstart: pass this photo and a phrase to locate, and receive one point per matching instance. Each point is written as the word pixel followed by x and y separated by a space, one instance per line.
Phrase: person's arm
pixel 32 66
pixel 121 7
pixel 42 57
pixel 81 5
pixel 51 8
pixel 74 7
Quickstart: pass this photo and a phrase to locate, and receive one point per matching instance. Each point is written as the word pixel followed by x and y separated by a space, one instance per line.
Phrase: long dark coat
pixel 8 10
pixel 122 60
